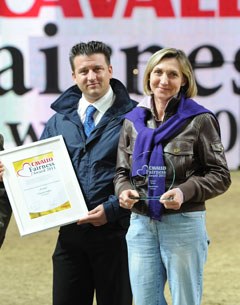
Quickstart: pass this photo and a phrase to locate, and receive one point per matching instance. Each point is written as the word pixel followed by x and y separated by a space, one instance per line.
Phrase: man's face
pixel 92 75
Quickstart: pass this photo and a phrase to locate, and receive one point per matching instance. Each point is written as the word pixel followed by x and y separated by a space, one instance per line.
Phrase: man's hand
pixel 96 217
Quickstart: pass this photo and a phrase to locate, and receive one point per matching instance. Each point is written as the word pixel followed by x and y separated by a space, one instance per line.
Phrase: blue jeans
pixel 174 250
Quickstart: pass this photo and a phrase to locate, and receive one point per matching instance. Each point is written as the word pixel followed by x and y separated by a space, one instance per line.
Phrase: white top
pixel 102 105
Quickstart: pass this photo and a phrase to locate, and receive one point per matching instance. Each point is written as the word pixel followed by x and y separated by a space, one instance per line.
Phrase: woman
pixel 170 161
pixel 5 208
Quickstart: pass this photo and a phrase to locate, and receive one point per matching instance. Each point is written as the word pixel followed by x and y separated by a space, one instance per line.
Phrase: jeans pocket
pixel 198 214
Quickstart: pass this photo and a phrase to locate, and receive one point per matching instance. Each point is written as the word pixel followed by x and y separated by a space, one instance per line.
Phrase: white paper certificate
pixel 43 190
pixel 42 187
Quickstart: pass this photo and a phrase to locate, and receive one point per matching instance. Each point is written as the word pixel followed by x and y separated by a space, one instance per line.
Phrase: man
pixel 91 256
pixel 5 208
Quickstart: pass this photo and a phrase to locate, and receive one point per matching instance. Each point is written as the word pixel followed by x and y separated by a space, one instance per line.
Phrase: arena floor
pixel 26 270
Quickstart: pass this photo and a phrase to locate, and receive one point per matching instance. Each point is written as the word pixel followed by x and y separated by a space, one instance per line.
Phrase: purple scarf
pixel 148 151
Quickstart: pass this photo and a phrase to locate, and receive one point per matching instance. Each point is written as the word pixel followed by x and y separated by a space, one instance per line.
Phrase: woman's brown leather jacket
pixel 194 158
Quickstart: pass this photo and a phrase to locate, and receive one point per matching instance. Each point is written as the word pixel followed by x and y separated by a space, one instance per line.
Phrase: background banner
pixel 36 37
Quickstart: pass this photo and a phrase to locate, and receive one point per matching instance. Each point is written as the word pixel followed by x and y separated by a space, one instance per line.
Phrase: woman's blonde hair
pixel 190 88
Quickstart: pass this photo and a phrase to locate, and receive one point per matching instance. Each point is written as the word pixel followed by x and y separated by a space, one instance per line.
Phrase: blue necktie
pixel 89 122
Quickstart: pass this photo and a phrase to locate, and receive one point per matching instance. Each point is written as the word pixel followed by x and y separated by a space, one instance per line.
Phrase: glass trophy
pixel 149 180
pixel 152 175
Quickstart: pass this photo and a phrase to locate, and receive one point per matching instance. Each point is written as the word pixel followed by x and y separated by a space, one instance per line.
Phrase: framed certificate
pixel 42 186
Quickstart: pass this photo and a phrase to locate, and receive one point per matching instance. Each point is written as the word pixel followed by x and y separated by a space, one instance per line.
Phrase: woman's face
pixel 166 79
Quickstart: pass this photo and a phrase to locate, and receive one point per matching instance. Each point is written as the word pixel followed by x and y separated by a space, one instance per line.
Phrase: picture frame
pixel 42 186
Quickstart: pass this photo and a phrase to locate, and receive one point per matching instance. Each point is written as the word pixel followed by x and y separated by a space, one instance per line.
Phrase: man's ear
pixel 74 77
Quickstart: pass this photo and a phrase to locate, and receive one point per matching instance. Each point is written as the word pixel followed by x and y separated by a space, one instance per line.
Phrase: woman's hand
pixel 172 199
pixel 126 200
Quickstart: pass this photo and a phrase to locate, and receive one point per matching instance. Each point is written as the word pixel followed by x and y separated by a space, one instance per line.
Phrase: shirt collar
pixel 147 102
pixel 105 101
pixel 101 105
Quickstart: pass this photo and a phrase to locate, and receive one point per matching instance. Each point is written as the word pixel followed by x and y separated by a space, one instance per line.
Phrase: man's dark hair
pixel 89 48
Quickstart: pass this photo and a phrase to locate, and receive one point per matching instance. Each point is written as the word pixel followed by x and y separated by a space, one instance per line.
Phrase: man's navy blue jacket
pixel 94 158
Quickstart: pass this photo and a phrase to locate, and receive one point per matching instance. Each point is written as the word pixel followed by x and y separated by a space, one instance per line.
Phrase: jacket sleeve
pixel 213 178
pixel 112 207
pixel 5 213
pixel 5 207
pixel 115 213
pixel 124 160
